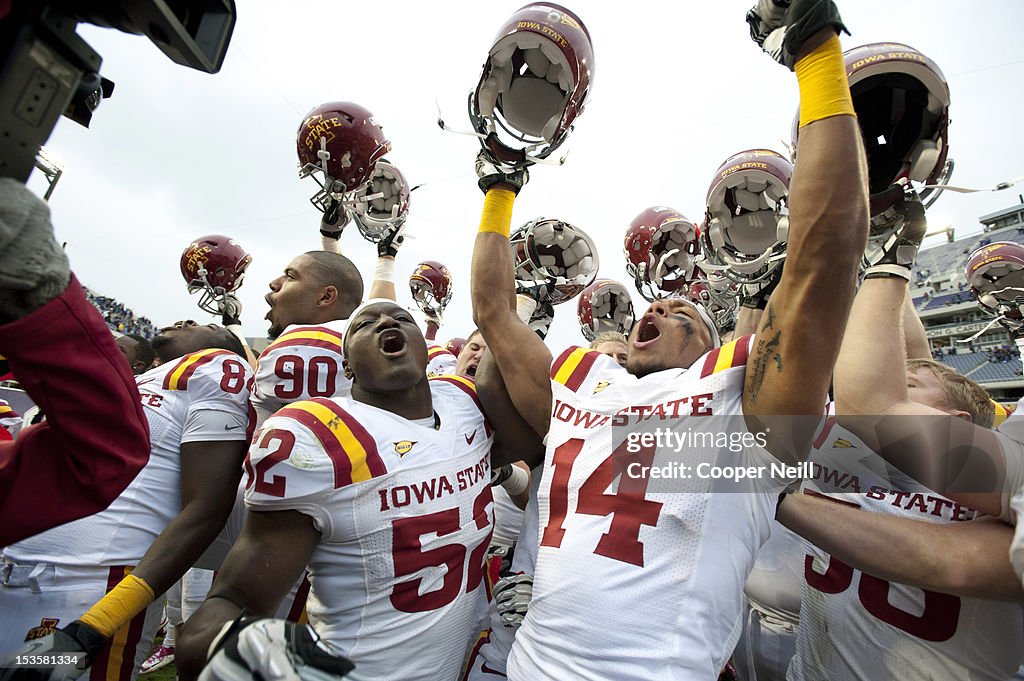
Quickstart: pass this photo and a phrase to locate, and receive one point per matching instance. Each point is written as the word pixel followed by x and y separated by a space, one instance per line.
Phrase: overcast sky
pixel 679 86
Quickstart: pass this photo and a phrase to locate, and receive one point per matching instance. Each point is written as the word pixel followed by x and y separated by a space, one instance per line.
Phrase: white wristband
pixel 385 269
pixel 518 482
pixel 330 244
pixel 525 307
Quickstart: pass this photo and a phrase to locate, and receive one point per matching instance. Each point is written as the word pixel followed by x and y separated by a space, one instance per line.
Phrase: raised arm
pixel 964 559
pixel 947 454
pixel 915 340
pixel 383 284
pixel 521 356
pixel 799 334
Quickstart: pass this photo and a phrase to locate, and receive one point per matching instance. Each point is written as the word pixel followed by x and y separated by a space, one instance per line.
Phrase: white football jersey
pixel 404 511
pixel 641 576
pixel 304 362
pixel 200 397
pixel 856 626
pixel 440 361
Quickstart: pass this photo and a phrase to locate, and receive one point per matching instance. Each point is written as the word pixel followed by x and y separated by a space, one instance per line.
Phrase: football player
pixel 633 582
pixel 385 495
pixel 112 565
pixel 469 357
pixel 310 304
pixel 138 351
pixel 64 356
pixel 613 344
pixel 914 633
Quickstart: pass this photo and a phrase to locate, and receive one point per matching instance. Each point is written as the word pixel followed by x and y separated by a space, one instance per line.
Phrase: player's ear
pixel 347 369
pixel 961 414
pixel 328 295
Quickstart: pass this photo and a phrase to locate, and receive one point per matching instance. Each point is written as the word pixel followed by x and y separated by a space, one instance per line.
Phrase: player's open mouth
pixel 471 370
pixel 271 304
pixel 392 343
pixel 648 333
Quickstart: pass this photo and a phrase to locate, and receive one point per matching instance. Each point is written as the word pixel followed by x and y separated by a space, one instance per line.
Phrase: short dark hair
pixel 474 332
pixel 143 350
pixel 334 269
pixel 232 343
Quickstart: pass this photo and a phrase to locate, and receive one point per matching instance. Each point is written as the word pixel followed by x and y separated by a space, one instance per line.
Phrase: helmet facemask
pixel 748 226
pixel 381 203
pixel 554 261
pixel 533 85
pixel 605 306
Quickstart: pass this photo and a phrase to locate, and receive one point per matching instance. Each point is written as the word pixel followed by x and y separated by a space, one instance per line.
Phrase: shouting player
pixel 385 494
pixel 638 583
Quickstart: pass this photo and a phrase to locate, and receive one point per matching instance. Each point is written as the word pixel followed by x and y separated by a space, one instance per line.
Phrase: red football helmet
pixel 215 265
pixel 553 260
pixel 431 287
pixel 661 248
pixel 534 83
pixel 381 202
pixel 747 217
pixel 341 141
pixel 902 102
pixel 995 273
pixel 455 345
pixel 605 305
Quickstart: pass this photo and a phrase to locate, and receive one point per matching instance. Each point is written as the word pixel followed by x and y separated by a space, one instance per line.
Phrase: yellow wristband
pixel 115 610
pixel 824 89
pixel 497 215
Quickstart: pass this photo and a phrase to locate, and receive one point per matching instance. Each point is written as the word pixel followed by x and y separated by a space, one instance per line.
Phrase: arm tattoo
pixel 767 349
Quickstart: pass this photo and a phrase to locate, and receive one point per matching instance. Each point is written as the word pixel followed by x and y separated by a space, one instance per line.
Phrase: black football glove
pixel 490 172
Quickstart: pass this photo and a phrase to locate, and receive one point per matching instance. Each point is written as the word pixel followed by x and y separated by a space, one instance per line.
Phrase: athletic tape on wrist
pixel 518 482
pixel 126 600
pixel 497 214
pixel 824 89
pixel 385 270
pixel 525 307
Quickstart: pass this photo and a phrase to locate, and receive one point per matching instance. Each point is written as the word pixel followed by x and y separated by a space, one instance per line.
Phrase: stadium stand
pixel 950 314
pixel 119 317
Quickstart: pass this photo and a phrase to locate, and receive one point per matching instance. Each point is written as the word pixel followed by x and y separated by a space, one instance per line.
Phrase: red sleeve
pixel 96 437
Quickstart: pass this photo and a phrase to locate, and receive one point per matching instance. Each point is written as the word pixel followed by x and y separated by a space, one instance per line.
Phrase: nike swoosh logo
pixel 232 427
pixel 470 438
